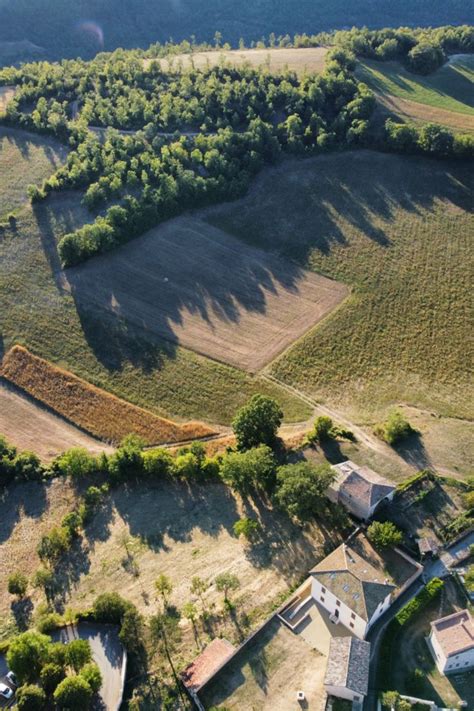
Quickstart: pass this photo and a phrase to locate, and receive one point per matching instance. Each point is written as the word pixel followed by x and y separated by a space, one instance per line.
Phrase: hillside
pixel 86 27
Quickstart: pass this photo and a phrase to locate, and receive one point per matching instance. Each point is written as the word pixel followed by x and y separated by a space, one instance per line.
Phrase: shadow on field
pixel 315 204
pixel 28 499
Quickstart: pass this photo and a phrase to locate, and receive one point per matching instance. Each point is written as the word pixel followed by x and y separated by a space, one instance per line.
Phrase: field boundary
pixel 91 409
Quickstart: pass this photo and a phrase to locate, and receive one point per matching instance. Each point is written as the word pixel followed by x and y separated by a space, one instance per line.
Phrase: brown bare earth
pixel 29 426
pixel 195 285
pixel 414 111
pixel 300 60
pixel 101 414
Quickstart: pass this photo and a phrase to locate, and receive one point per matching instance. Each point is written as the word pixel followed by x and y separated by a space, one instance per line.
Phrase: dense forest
pixel 71 28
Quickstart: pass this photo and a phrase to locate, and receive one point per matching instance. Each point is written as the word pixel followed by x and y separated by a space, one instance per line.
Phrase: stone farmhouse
pixel 356 583
pixel 359 489
pixel 451 642
pixel 347 671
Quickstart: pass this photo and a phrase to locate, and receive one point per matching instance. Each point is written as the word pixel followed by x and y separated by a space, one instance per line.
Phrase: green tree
pixel 384 535
pixel 27 654
pixel 76 463
pixel 252 469
pixel 53 545
pixel 323 429
pixel 110 607
pixel 30 698
pixel 91 673
pixel 190 611
pixel 226 582
pixel 257 422
pixel 73 694
pixel 78 653
pixel 28 467
pixel 301 488
pixel 395 428
pixel 17 584
pixel 425 58
pixel 469 578
pixel 164 587
pixel 248 528
pixel 51 675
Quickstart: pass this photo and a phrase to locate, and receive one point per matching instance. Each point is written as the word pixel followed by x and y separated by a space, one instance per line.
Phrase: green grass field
pixel 37 312
pixel 451 87
pixel 398 230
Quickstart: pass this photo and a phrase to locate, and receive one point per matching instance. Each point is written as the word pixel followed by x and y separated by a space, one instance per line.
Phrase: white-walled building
pixel 359 489
pixel 347 671
pixel 353 583
pixel 452 642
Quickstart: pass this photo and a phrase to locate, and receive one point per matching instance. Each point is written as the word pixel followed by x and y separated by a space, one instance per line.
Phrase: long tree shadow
pixel 22 499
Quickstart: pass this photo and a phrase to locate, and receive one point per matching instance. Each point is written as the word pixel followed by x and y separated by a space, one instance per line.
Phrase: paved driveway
pixel 107 652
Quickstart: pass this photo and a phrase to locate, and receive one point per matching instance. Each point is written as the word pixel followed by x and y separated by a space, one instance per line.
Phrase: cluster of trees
pixel 22 466
pixel 47 672
pixel 152 176
pixel 423 50
pixel 428 139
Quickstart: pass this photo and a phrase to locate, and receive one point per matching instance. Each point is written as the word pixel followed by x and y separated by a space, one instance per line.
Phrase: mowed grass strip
pixel 300 60
pixel 449 88
pixel 101 414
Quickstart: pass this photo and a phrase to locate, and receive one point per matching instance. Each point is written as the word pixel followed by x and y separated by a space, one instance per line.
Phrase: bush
pixel 395 428
pixel 49 622
pixel 53 545
pixel 91 673
pixel 73 694
pixel 420 601
pixel 253 469
pixel 27 654
pixel 322 430
pixel 17 584
pixel 28 467
pixel 248 528
pixel 157 463
pixel 110 607
pixel 78 653
pixel 301 488
pixel 30 698
pixel 75 463
pixel 425 58
pixel 384 535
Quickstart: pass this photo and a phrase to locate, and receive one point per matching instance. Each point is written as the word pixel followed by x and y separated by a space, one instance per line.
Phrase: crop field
pixel 196 285
pixel 29 426
pixel 399 231
pixel 301 60
pixel 97 412
pixel 102 349
pixel 446 96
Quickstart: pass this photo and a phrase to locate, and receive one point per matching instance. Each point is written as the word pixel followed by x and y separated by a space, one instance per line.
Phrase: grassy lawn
pixel 168 380
pixel 450 87
pixel 398 231
pixel 411 652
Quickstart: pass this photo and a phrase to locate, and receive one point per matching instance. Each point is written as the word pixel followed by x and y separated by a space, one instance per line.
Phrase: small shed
pixel 201 669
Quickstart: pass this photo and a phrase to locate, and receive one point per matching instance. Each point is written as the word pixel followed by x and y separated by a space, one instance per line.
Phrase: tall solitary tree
pixel 257 422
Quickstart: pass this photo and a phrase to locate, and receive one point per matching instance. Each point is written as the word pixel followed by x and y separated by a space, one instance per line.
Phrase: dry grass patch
pixel 421 113
pixel 6 93
pixel 101 414
pixel 306 59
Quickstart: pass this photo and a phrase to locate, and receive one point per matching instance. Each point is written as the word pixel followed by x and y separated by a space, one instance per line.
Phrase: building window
pixel 353 616
pixel 351 624
pixel 323 590
pixel 338 603
pixel 322 598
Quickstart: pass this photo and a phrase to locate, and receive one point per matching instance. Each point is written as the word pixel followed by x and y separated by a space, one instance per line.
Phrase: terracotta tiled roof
pixel 207 663
pixel 454 633
pixel 361 484
pixel 348 664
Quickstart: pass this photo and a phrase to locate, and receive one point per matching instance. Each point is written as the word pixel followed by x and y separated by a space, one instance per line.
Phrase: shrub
pixel 30 698
pixel 420 601
pixel 28 467
pixel 53 545
pixel 73 694
pixel 110 607
pixel 425 58
pixel 43 578
pixel 248 528
pixel 157 463
pixel 91 673
pixel 395 428
pixel 253 469
pixel 384 535
pixel 76 463
pixel 226 582
pixel 49 622
pixel 323 429
pixel 17 584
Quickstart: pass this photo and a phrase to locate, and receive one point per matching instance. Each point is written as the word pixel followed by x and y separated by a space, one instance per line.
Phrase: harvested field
pixel 421 113
pixel 29 426
pixel 92 409
pixel 305 59
pixel 195 285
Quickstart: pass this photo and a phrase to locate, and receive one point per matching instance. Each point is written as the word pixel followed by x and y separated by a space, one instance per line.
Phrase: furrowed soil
pixel 38 311
pixel 301 60
pixel 193 284
pixel 97 412
pixel 29 426
pixel 399 231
